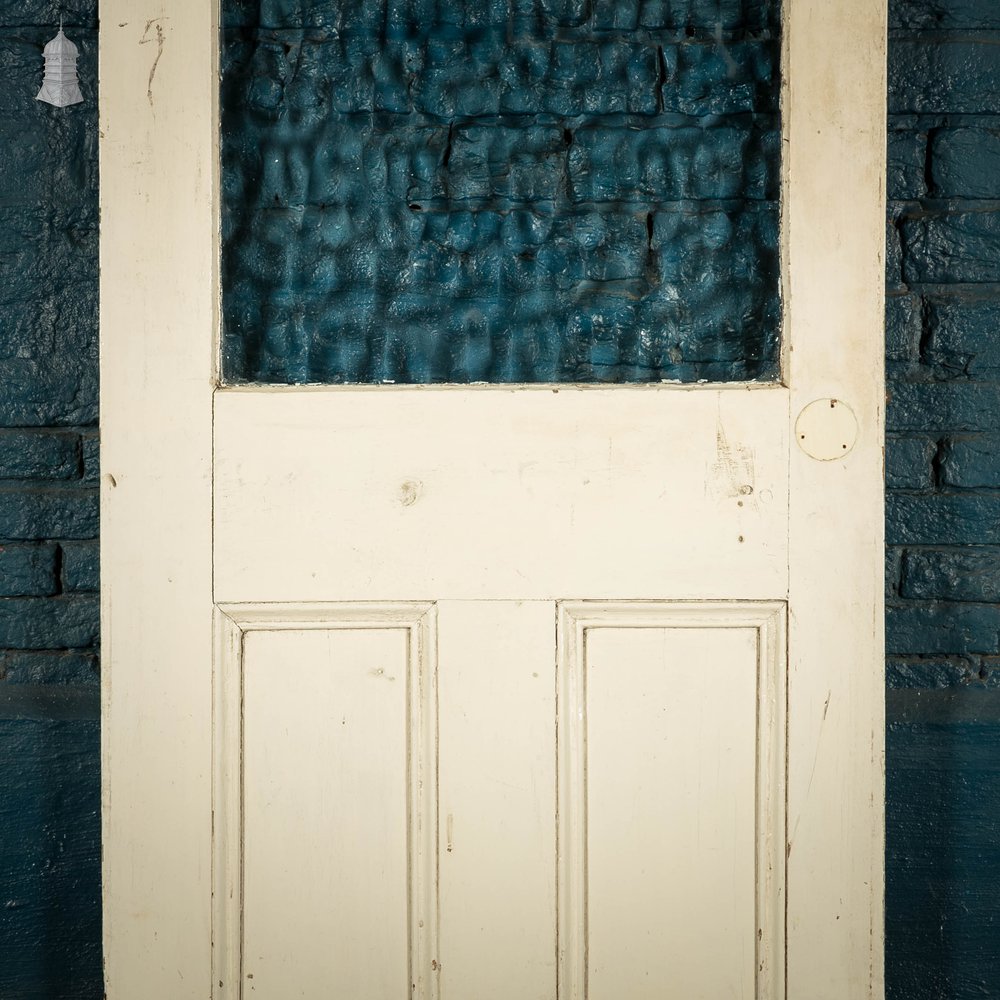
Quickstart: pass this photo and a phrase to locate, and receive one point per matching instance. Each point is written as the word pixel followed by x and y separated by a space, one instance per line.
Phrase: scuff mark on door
pixel 153 23
pixel 733 474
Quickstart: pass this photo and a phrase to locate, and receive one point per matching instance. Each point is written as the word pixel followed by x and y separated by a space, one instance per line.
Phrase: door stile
pixel 834 108
pixel 159 296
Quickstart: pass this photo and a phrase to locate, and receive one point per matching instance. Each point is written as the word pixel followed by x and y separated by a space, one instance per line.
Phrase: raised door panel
pixel 671 801
pixel 325 803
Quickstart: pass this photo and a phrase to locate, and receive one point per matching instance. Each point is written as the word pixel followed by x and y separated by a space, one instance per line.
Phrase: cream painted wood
pixel 325 801
pixel 340 496
pixel 493 493
pixel 159 292
pixel 497 717
pixel 834 111
pixel 325 813
pixel 671 800
pixel 340 802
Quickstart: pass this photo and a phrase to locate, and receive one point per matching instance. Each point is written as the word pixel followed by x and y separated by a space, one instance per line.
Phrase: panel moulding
pixel 575 619
pixel 233 622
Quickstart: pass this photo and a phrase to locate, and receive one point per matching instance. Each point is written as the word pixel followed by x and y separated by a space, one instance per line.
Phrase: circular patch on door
pixel 826 429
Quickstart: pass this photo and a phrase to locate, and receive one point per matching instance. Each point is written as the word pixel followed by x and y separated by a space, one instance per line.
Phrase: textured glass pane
pixel 500 190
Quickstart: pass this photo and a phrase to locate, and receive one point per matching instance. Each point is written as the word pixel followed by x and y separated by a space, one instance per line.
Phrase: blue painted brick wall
pixel 943 502
pixel 500 191
pixel 49 728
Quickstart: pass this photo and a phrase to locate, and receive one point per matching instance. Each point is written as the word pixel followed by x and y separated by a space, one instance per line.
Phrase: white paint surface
pixel 497 788
pixel 325 751
pixel 489 493
pixel 671 718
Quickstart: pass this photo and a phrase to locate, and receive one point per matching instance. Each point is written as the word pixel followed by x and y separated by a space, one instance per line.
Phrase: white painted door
pixel 489 692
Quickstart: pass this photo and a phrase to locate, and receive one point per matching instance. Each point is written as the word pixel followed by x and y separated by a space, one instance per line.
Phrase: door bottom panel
pixel 456 799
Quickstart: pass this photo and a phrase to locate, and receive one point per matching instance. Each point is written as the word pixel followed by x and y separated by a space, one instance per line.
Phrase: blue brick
pixel 942 519
pixel 942 866
pixel 902 327
pixel 944 14
pixel 28 13
pixel 968 573
pixel 536 226
pixel 27 570
pixel 47 667
pixel 893 255
pixel 70 622
pixel 949 76
pixel 908 462
pixel 965 163
pixel 893 558
pixel 907 156
pixel 25 175
pixel 720 79
pixel 943 406
pixel 964 335
pixel 91 453
pixel 930 673
pixel 50 866
pixel 38 514
pixel 44 392
pixel 39 455
pixel 81 567
pixel 942 628
pixel 971 462
pixel 953 248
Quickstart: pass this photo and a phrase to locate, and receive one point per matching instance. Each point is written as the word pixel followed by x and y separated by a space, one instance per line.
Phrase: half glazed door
pixel 470 691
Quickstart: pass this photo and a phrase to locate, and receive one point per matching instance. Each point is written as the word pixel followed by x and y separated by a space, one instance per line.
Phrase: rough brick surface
pixel 943 407
pixel 971 573
pixel 970 518
pixel 944 75
pixel 48 513
pixel 934 628
pixel 909 462
pixel 67 622
pixel 936 673
pixel 50 832
pixel 907 167
pixel 942 868
pixel 951 248
pixel 39 455
pixel 965 163
pixel 962 335
pixel 50 921
pixel 40 667
pixel 28 570
pixel 48 336
pixel 943 505
pixel 954 14
pixel 503 192
pixel 80 566
pixel 903 328
pixel 971 462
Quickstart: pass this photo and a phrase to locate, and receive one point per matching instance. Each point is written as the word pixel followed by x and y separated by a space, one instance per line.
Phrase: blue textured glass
pixel 500 190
